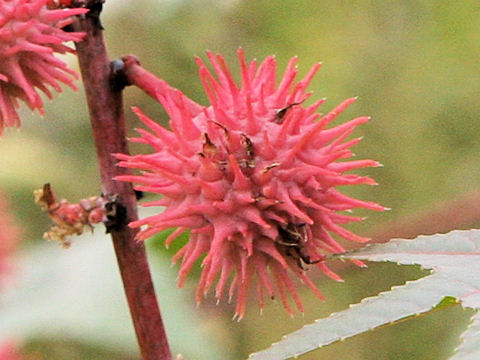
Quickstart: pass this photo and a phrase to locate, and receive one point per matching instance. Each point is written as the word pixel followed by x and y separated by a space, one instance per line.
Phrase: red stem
pixel 136 75
pixel 108 123
pixel 133 73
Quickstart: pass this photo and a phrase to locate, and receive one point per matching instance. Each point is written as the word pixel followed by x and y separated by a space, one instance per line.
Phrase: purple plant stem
pixel 108 123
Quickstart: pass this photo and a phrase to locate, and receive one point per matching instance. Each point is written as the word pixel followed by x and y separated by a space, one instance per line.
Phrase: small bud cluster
pixel 70 218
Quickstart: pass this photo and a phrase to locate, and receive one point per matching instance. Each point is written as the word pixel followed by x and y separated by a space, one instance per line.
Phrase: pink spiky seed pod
pixel 30 35
pixel 254 178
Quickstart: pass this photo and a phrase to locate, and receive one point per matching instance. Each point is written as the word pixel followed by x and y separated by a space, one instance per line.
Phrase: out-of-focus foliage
pixel 414 65
pixel 77 297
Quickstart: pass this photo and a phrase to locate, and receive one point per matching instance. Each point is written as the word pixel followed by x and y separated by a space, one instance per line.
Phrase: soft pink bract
pixel 254 177
pixel 8 239
pixel 8 351
pixel 30 34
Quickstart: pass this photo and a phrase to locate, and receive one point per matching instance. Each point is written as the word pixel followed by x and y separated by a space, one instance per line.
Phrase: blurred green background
pixel 413 64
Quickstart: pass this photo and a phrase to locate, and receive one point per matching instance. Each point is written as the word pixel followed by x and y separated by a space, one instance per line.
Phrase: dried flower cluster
pixel 70 218
pixel 30 35
pixel 253 177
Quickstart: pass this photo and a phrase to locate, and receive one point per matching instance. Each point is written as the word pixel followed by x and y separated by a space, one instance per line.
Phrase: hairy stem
pixel 108 124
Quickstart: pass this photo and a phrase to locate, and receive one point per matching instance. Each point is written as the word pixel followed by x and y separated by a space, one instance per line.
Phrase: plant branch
pixel 130 72
pixel 134 74
pixel 108 124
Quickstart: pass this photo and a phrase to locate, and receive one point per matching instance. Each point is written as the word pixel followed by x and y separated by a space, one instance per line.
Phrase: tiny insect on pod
pixel 282 112
pixel 293 238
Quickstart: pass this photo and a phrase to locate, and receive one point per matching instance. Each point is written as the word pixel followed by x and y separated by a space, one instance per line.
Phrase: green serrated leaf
pixel 455 262
pixel 411 299
pixel 446 301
